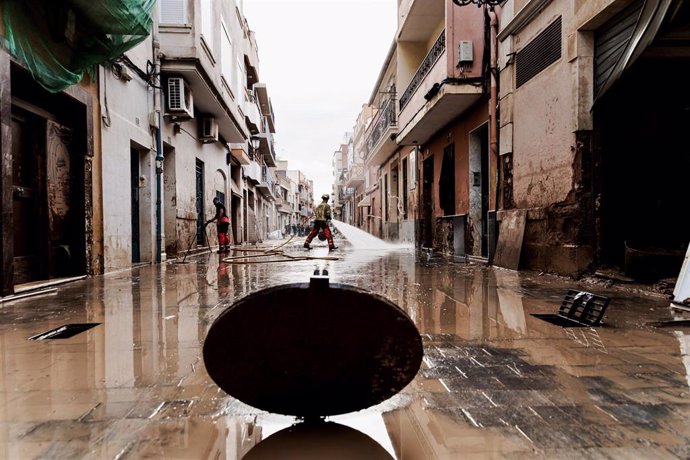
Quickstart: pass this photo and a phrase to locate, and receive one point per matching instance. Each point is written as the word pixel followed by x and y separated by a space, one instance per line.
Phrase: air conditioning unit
pixel 180 101
pixel 209 130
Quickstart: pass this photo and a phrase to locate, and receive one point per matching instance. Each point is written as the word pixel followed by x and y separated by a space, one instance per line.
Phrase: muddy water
pixel 495 382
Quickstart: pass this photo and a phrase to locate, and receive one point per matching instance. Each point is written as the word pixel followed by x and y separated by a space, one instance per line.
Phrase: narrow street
pixel 495 381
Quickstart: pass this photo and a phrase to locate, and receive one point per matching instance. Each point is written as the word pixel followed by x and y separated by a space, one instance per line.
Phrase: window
pixel 240 81
pixel 173 11
pixel 226 54
pixel 207 23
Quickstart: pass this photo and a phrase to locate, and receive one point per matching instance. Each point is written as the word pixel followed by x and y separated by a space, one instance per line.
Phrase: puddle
pixel 495 381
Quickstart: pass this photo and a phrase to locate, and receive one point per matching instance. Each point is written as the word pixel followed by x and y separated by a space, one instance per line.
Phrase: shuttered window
pixel 207 24
pixel 541 52
pixel 173 11
pixel 226 57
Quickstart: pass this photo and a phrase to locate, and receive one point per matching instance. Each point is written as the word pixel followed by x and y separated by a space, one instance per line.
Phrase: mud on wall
pixel 560 237
pixel 548 150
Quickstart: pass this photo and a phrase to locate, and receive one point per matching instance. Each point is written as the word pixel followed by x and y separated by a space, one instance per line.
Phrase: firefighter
pixel 322 216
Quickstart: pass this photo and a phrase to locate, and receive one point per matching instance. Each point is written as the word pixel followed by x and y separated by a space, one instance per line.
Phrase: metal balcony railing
pixel 385 117
pixel 424 68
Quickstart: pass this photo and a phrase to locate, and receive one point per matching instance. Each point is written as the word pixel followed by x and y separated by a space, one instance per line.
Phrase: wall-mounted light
pixel 256 142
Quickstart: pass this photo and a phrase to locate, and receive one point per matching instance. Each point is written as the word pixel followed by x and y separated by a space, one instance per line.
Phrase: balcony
pixel 355 176
pixel 251 112
pixel 239 152
pixel 380 135
pixel 187 55
pixel 251 58
pixel 425 67
pixel 433 98
pixel 417 19
pixel 267 149
pixel 265 104
pixel 252 172
pixel 266 185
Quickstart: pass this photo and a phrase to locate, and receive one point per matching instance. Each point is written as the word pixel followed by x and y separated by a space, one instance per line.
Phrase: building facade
pixel 429 171
pixel 49 165
pixel 592 153
pixel 122 167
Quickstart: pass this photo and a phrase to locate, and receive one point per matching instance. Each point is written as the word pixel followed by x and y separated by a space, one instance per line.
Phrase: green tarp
pixel 59 40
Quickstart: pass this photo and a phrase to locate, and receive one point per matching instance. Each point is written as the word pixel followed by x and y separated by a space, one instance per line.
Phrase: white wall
pixel 125 107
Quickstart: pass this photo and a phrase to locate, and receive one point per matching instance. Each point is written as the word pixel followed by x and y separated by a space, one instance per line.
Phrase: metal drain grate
pixel 64 332
pixel 578 309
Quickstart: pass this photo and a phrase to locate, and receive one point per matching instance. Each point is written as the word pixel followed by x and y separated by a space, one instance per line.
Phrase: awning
pixel 365 202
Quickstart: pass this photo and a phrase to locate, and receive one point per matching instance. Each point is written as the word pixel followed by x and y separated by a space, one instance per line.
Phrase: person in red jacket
pixel 222 226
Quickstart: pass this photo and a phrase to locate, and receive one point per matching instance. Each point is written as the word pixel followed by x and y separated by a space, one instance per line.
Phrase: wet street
pixel 495 382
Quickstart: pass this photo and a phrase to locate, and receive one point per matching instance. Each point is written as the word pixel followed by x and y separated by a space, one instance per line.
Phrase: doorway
pixel 235 209
pixel 395 211
pixel 28 192
pixel 427 202
pixel 478 244
pixel 446 182
pixel 134 186
pixel 643 160
pixel 200 203
pixel 47 209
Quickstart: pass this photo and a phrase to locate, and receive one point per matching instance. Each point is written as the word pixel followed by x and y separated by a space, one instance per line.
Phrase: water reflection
pixel 135 385
pixel 311 441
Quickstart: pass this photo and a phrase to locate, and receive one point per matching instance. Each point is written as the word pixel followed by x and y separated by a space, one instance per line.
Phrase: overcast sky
pixel 320 60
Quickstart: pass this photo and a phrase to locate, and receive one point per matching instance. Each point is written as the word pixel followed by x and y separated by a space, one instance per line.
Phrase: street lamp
pixel 478 2
pixel 254 143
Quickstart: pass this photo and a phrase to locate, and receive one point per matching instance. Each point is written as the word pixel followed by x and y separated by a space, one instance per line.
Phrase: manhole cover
pixel 312 350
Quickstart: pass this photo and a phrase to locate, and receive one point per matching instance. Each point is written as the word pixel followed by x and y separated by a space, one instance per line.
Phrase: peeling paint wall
pixel 187 150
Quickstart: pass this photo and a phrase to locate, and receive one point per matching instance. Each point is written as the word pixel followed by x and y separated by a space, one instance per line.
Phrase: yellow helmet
pixel 325 196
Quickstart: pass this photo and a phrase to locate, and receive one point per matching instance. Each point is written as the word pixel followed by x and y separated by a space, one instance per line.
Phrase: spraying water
pixel 362 240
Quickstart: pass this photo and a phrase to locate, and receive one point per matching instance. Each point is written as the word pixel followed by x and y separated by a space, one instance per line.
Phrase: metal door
pixel 27 203
pixel 134 181
pixel 200 203
pixel 63 245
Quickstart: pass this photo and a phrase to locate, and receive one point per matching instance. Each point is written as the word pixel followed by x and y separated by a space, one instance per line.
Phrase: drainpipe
pixel 493 95
pixel 158 105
